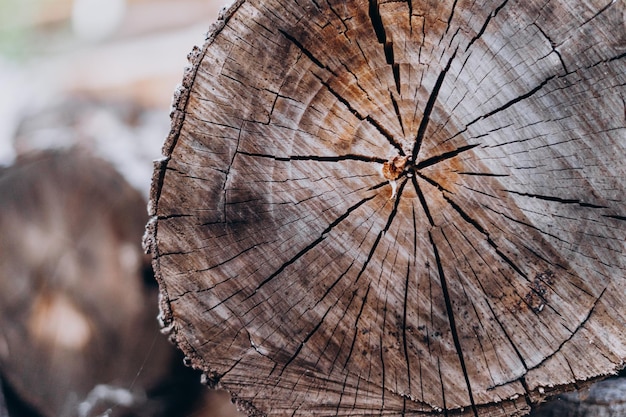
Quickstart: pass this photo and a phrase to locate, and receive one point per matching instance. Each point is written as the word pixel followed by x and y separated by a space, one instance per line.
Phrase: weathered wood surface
pixel 489 275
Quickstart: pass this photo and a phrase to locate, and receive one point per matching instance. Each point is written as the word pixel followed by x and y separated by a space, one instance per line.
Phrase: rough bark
pixel 398 208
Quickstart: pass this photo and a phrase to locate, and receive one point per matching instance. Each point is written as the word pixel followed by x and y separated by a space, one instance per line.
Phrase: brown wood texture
pixel 398 208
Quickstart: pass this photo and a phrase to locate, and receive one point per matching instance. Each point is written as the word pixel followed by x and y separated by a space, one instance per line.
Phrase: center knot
pixel 393 168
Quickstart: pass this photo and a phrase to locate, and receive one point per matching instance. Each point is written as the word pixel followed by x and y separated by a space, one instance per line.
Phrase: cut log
pixel 398 208
pixel 78 328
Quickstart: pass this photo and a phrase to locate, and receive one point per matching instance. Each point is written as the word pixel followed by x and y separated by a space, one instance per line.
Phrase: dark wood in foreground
pixel 399 208
pixel 78 332
pixel 603 399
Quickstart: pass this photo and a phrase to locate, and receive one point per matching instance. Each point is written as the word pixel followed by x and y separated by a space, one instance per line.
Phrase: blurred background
pixel 96 72
pixel 85 91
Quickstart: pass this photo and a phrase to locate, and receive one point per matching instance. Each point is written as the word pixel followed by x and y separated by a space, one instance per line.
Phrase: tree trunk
pixel 398 208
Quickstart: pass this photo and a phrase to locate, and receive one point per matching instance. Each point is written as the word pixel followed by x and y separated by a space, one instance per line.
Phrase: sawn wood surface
pixel 398 208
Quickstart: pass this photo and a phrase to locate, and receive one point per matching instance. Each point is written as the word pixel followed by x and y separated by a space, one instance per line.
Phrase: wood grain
pixel 298 279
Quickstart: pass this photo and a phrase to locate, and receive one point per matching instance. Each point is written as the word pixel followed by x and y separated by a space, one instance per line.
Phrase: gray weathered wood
pixel 300 274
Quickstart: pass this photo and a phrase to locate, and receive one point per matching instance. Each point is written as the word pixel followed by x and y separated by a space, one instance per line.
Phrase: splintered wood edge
pixel 177 117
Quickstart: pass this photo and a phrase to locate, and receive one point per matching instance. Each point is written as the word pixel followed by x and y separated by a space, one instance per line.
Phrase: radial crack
pixel 516 100
pixel 377 21
pixel 526 224
pixel 356 327
pixel 443 389
pixel 381 36
pixel 392 215
pixel 307 338
pixel 447 155
pixel 599 12
pixel 313 244
pixel 338 158
pixel 453 329
pixel 365 264
pixel 491 243
pixel 451 16
pixel 573 333
pixel 396 108
pixel 382 357
pixel 429 108
pixel 404 321
pixel 367 118
pixel 481 174
pixel 557 199
pixel 504 107
pixel 306 52
pixel 616 217
pixel 484 27
pixel 554 46
pixel 422 199
pixel 341 99
pixel 474 223
pixel 489 305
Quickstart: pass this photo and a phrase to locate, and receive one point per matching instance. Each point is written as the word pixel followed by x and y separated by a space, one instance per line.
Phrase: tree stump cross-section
pixel 398 208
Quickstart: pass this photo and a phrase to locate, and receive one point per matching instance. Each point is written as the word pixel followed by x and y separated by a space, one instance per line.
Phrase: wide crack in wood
pixel 451 318
pixel 430 104
pixel 558 199
pixel 376 124
pixel 381 36
pixel 445 156
pixel 484 27
pixel 317 158
pixel 392 215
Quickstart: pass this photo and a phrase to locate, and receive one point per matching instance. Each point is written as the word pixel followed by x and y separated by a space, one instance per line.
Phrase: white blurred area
pixel 95 73
pixel 95 20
